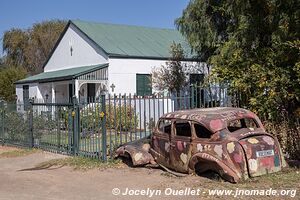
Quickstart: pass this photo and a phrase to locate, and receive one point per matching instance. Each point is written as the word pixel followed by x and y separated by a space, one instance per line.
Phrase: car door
pixel 161 142
pixel 180 145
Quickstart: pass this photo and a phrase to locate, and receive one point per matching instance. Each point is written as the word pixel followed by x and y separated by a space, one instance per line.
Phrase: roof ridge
pixel 125 25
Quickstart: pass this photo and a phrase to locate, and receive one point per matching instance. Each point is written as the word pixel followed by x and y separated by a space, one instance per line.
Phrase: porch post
pixel 53 100
pixel 75 85
pixel 53 93
pixel 76 89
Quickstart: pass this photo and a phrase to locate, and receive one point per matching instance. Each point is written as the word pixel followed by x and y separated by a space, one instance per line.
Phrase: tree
pixel 31 47
pixel 8 76
pixel 252 45
pixel 172 76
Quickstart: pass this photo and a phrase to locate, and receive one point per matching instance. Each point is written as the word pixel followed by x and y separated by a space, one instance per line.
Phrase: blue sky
pixel 152 13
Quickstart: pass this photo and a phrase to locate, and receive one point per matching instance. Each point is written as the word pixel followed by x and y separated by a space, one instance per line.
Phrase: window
pixel 143 84
pixel 242 123
pixel 183 129
pixel 165 126
pixel 196 79
pixel 251 123
pixel 201 131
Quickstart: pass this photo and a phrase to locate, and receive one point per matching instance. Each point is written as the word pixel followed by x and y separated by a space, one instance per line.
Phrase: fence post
pixel 31 139
pixel 104 142
pixel 2 122
pixel 76 122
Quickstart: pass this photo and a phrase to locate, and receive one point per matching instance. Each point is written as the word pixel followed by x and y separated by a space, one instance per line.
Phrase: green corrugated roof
pixel 133 41
pixel 65 74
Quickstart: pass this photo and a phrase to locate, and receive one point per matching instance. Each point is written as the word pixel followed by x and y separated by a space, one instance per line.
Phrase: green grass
pixel 90 144
pixel 79 163
pixel 18 153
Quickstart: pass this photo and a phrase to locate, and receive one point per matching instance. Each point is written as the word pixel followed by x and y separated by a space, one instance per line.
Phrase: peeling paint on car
pixel 199 147
pixel 253 164
pixel 183 157
pixel 230 147
pixel 179 145
pixel 138 156
pixel 218 149
pixel 253 141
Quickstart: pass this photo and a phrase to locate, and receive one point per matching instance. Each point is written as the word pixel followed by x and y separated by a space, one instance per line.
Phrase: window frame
pixel 147 90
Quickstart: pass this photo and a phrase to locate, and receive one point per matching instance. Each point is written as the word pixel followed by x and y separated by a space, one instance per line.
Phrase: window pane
pixel 143 84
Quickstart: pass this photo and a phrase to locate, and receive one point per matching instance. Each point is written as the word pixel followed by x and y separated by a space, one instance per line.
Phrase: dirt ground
pixel 67 183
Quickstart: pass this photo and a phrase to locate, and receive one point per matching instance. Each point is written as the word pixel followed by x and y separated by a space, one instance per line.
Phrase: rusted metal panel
pixel 229 141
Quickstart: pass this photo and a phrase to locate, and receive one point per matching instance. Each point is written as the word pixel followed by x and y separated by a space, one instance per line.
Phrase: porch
pixel 84 83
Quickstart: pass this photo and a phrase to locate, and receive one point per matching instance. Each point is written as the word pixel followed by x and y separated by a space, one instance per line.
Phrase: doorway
pixel 91 92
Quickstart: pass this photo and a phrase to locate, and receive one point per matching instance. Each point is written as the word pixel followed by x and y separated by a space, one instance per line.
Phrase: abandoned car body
pixel 229 141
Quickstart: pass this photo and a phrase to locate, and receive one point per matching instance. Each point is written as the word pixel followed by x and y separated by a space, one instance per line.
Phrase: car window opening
pixel 165 126
pixel 201 131
pixel 183 129
pixel 242 123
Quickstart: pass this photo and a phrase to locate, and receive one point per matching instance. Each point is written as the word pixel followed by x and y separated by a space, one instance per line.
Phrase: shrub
pixel 120 118
pixel 288 134
pixel 16 126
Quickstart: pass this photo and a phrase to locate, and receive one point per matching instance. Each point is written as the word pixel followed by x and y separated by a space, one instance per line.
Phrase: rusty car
pixel 229 141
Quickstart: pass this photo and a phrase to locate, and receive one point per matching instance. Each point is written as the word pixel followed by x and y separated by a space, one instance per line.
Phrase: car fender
pixel 210 162
pixel 139 155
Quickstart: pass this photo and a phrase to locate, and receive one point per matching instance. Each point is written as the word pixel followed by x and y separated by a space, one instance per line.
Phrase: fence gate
pixel 52 126
pixel 91 128
pixel 71 128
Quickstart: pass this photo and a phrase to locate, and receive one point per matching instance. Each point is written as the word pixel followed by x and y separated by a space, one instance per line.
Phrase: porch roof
pixel 61 75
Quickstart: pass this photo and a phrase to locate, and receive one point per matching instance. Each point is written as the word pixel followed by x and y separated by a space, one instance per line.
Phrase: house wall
pixel 34 91
pixel 19 92
pixel 122 72
pixel 84 52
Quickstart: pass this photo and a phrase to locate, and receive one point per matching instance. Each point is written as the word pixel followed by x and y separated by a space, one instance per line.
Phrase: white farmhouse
pixel 94 58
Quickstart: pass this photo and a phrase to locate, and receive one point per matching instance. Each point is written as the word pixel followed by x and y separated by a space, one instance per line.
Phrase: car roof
pixel 213 118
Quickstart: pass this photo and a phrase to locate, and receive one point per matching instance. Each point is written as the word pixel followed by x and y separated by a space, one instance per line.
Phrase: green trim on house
pixel 61 75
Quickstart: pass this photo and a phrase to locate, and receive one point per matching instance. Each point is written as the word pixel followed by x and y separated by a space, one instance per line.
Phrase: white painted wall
pixel 84 52
pixel 19 92
pixel 122 72
pixel 34 91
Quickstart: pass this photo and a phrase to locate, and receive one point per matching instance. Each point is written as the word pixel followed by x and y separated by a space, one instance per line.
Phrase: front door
pixel 180 146
pixel 91 92
pixel 71 93
pixel 26 96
